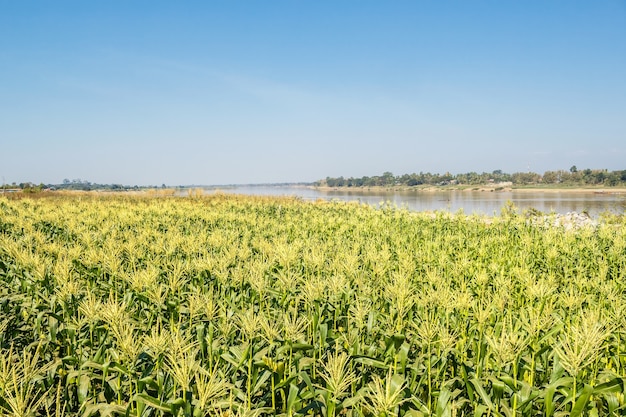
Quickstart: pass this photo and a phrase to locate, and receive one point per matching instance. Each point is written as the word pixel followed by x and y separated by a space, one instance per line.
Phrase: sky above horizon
pixel 241 92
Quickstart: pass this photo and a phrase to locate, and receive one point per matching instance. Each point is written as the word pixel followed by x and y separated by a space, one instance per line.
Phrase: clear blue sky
pixel 221 92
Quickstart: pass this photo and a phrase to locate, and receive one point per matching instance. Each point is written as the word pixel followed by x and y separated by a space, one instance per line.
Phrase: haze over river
pixel 481 202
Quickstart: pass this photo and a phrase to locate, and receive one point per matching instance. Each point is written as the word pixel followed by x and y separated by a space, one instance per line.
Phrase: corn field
pixel 249 306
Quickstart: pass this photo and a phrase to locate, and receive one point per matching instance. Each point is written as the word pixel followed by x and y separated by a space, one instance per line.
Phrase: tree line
pixel 76 184
pixel 571 177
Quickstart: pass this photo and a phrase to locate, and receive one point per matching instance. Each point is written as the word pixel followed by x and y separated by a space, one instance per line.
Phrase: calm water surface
pixel 481 202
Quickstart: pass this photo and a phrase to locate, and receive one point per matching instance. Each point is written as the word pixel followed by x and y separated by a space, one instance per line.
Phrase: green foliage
pixel 573 177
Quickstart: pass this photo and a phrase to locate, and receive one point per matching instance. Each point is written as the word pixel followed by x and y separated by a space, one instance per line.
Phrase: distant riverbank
pixel 475 188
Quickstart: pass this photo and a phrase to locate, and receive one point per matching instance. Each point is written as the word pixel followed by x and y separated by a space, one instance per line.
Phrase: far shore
pixel 479 188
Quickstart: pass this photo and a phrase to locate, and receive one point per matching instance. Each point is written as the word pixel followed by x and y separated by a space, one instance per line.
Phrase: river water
pixel 480 202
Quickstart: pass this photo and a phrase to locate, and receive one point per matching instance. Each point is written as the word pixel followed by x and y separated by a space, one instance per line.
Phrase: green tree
pixel 388 178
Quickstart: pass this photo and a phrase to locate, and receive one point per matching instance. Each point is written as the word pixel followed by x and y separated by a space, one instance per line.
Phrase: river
pixel 480 202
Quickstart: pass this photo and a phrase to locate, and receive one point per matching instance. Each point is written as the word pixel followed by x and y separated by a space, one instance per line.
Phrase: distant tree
pixel 403 179
pixel 388 178
pixel 371 181
pixel 613 178
pixel 600 177
pixel 473 178
pixel 525 177
pixel 414 180
pixel 550 177
pixel 446 177
pixel 32 188
pixel 573 169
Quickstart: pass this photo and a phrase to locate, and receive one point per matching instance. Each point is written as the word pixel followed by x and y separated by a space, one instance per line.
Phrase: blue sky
pixel 223 92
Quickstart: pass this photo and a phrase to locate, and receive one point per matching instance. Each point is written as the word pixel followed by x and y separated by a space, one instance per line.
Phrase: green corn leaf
pixel 296 347
pixel 443 408
pixel 581 402
pixel 612 386
pixel 286 382
pixel 84 385
pixel 150 401
pixel 292 398
pixel 478 388
pixel 104 410
pixel 480 410
pixel 612 404
pixel 376 363
pixel 548 395
pixel 358 397
pixel 259 381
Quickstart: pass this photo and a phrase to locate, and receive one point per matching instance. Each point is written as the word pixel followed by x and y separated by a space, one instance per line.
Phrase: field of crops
pixel 241 306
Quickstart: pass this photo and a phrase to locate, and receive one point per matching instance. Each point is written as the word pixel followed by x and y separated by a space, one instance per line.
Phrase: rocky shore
pixel 569 221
